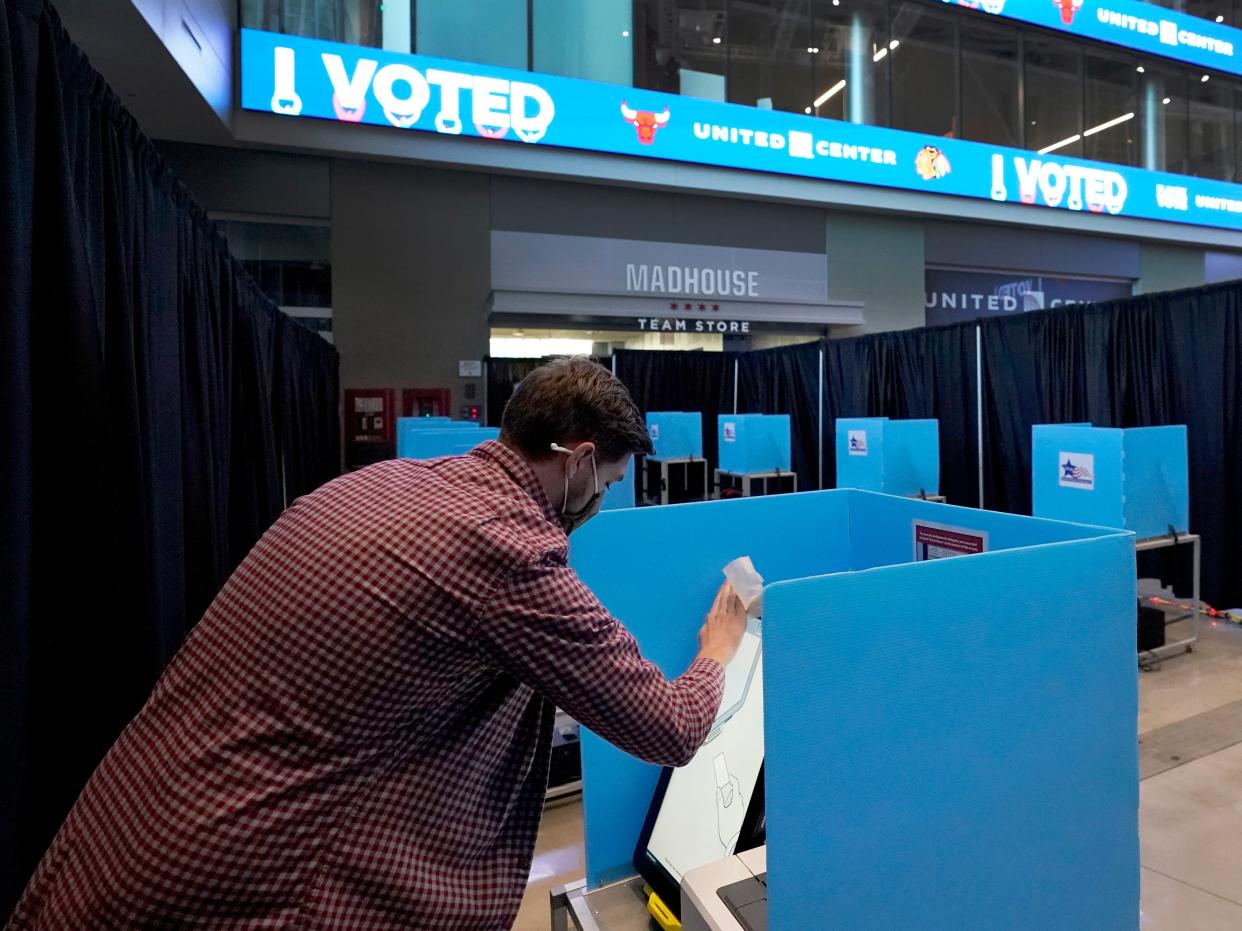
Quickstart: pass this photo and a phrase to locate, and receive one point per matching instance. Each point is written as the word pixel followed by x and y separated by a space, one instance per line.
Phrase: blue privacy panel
pixel 415 442
pixel 661 589
pixel 912 457
pixel 620 494
pixel 754 443
pixel 1157 486
pixel 936 758
pixel 676 434
pixel 860 456
pixel 1076 474
pixel 897 457
pixel 1135 479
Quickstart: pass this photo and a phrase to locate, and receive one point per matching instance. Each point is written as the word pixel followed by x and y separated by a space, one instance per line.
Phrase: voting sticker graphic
pixel 858 442
pixel 1077 470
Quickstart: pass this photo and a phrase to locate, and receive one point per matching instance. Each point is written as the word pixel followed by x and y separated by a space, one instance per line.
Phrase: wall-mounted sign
pixel 955 296
pixel 309 77
pixel 693 288
pixel 681 325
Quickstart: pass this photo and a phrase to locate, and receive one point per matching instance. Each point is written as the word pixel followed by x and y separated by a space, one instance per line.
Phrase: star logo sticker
pixel 1069 468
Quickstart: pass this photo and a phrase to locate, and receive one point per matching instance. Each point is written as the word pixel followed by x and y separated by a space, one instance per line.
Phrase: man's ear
pixel 578 458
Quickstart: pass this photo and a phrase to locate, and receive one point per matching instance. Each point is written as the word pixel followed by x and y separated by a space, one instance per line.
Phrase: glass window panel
pixel 679 47
pixel 1163 136
pixel 851 76
pixel 1112 108
pixel 1053 79
pixel 990 86
pixel 770 54
pixel 1212 10
pixel 1211 127
pixel 591 40
pixel 353 21
pixel 492 33
pixel 923 52
pixel 1237 132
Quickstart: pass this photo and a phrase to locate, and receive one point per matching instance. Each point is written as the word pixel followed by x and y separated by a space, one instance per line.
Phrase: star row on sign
pixel 673 305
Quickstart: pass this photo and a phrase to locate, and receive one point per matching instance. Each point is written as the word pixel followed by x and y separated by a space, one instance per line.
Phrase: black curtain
pixel 929 372
pixel 681 381
pixel 786 381
pixel 503 376
pixel 1172 358
pixel 158 411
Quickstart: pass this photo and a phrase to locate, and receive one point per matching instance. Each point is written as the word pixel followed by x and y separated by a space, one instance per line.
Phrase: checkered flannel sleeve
pixel 544 626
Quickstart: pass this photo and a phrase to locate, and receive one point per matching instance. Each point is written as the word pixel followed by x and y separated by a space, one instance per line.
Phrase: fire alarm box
pixel 370 426
pixel 425 402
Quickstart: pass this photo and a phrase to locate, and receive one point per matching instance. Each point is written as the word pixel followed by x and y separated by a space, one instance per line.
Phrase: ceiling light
pixel 625 34
pixel 1203 80
pixel 1168 100
pixel 1109 125
pixel 826 95
pixel 880 55
pixel 1060 145
pixel 894 44
pixel 1221 18
pixel 716 41
pixel 1142 70
pixel 836 2
pixel 808 110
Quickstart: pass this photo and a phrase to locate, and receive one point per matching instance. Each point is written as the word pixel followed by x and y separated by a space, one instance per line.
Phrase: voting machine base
pixel 675 481
pixel 753 484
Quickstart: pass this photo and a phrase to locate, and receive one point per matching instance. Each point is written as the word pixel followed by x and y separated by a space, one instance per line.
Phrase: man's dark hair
pixel 574 400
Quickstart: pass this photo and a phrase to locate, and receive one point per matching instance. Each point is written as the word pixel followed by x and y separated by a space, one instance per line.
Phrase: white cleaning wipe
pixel 748 584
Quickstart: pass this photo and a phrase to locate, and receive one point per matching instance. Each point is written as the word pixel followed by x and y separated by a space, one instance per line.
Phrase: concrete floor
pixel 1190 731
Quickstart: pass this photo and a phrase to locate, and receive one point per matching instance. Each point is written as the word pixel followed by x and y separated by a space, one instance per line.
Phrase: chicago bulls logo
pixel 1068 8
pixel 645 122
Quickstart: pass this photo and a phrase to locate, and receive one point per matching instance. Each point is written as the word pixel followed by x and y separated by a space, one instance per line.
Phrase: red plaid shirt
pixel 357 733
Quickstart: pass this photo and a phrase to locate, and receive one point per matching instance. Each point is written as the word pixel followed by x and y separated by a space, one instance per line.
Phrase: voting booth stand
pixel 935 758
pixel 1135 479
pixel 430 437
pixel 754 455
pixel 896 457
pixel 676 471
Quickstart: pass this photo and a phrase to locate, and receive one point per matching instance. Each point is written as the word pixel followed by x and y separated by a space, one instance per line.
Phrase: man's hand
pixel 726 623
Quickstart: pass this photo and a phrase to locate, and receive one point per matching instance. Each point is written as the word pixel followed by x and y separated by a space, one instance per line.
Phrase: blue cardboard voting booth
pixel 897 457
pixel 753 443
pixel 1136 478
pixel 434 423
pixel 418 440
pixel 935 757
pixel 676 434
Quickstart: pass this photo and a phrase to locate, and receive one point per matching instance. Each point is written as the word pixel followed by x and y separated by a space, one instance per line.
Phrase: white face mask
pixel 572 520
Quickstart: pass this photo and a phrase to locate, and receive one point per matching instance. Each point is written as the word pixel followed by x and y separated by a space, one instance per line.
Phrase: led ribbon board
pixel 312 78
pixel 1131 24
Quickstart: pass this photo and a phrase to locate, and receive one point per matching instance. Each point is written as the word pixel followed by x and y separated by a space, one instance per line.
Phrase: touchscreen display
pixel 701 814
